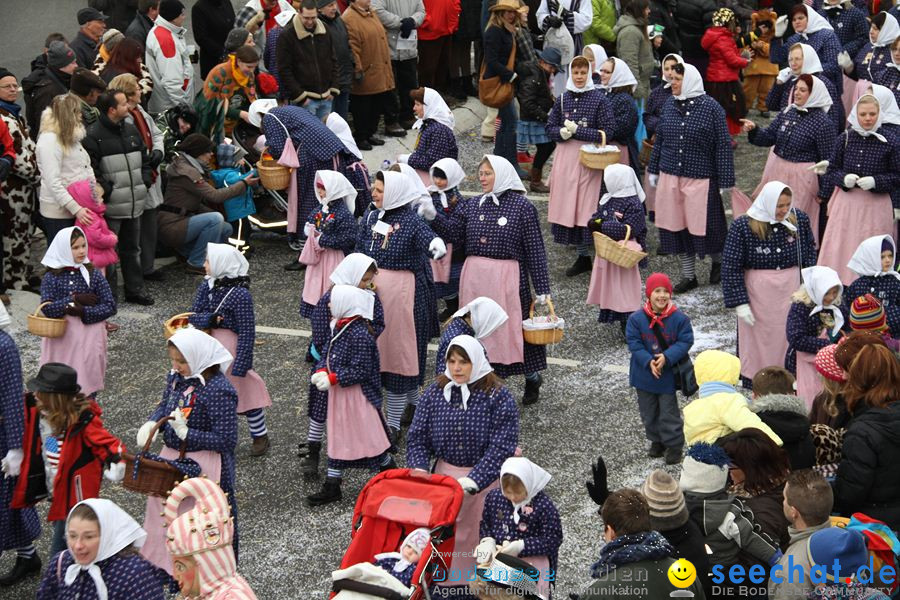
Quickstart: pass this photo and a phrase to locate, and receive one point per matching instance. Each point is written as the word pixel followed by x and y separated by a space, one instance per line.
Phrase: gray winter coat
pixel 390 13
pixel 121 166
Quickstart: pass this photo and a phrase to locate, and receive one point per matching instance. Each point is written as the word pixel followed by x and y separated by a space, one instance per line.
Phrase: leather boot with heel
pixel 330 492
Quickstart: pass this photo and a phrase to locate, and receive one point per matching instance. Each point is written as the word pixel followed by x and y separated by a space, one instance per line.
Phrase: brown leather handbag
pixel 492 91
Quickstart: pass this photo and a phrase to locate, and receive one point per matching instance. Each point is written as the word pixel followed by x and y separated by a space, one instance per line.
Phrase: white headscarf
pixel 416 182
pixel 621 76
pixel 818 97
pixel 398 190
pixel 225 261
pixel 763 208
pixel 4 318
pixel 888 33
pixel 201 351
pixel 284 17
pixel 417 539
pixel 588 84
pixel 436 109
pixel 853 119
pixel 480 366
pixel 59 253
pixel 118 530
pixel 487 316
pixel 533 477
pixel 815 22
pixel 817 281
pixel 351 301
pixel 887 102
pixel 341 129
pixel 600 55
pixel 455 176
pixel 811 62
pixel 680 61
pixel 621 182
pixel 692 85
pixel 336 186
pixel 505 178
pixel 866 261
pixel 258 108
pixel 350 271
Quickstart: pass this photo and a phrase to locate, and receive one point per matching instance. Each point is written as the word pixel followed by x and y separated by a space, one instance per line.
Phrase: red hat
pixel 657 280
pixel 827 366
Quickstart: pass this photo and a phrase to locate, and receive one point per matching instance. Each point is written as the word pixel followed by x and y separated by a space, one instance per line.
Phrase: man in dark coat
pixel 46 82
pixel 331 18
pixel 92 25
pixel 694 17
pixel 142 23
pixel 211 21
pixel 119 12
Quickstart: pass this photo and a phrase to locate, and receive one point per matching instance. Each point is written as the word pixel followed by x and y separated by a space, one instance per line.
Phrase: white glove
pixel 485 551
pixel 308 229
pixel 564 133
pixel 897 214
pixel 723 191
pixel 437 247
pixel 570 125
pixel 12 463
pixel 845 62
pixel 820 167
pixel 653 179
pixel 542 299
pixel 850 180
pixel 468 486
pixel 179 425
pixel 784 75
pixel 321 381
pixel 115 472
pixel 144 433
pixel 745 314
pixel 427 211
pixel 865 183
pixel 514 548
pixel 403 158
pixel 781 24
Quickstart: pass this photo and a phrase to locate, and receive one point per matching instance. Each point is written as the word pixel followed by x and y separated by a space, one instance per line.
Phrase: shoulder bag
pixel 492 91
pixel 683 370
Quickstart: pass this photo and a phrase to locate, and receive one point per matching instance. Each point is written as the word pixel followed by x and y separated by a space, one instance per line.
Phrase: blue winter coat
pixel 643 346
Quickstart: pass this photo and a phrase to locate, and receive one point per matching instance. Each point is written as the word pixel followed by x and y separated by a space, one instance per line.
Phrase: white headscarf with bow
pixel 888 33
pixel 533 477
pixel 350 271
pixel 351 301
pixel 621 182
pixel 815 22
pixel 59 253
pixel 418 540
pixel 455 176
pixel 853 119
pixel 817 281
pixel 692 84
pixel 589 82
pixel 336 186
pixel 225 261
pixel 866 261
pixel 118 530
pixel 435 109
pixel 505 178
pixel 480 366
pixel 818 97
pixel 764 207
pixel 487 316
pixel 621 76
pixel 201 351
pixel 398 190
pixel 341 129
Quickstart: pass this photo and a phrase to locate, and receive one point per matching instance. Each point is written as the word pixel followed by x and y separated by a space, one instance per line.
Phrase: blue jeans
pixel 505 142
pixel 320 108
pixel 58 541
pixel 341 104
pixel 204 229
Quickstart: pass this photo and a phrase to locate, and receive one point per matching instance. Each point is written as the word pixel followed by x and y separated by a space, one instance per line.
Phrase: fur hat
pixel 84 81
pixel 657 280
pixel 827 366
pixel 195 144
pixel 867 314
pixel 666 501
pixel 705 469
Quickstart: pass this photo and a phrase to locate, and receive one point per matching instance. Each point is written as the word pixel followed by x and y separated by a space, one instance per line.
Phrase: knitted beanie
pixel 59 55
pixel 827 366
pixel 657 280
pixel 236 38
pixel 195 144
pixel 666 501
pixel 705 469
pixel 867 314
pixel 170 9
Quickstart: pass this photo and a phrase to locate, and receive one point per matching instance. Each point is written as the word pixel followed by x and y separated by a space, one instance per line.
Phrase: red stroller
pixel 390 506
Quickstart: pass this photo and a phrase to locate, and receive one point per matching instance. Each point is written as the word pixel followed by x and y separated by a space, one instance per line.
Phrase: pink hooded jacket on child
pixel 101 240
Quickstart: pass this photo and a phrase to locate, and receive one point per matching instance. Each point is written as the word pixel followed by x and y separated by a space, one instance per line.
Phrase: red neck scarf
pixel 658 318
pixel 142 128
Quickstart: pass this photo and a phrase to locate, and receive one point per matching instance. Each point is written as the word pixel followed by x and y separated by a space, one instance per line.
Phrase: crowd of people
pixel 123 153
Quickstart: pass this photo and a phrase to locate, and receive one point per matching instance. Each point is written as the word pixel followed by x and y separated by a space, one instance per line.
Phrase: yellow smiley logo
pixel 682 573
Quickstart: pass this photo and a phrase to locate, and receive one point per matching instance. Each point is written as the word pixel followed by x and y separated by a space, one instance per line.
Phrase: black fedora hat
pixel 55 378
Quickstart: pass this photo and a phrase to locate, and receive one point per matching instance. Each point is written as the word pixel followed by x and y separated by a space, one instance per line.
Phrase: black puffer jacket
pixel 868 479
pixel 121 165
pixel 693 17
pixel 533 93
pixel 787 417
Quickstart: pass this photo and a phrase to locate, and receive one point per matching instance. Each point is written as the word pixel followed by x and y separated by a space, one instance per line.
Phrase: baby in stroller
pixel 402 564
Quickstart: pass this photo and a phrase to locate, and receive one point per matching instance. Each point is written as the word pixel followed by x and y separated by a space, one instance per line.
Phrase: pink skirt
pixel 499 281
pixel 321 262
pixel 847 96
pixel 397 343
pixel 574 189
pixel 354 425
pixel 468 524
pixel 154 548
pixel 440 269
pixel 614 288
pixel 83 347
pixel 809 382
pixel 853 217
pixel 765 343
pixel 860 88
pixel 251 389
pixel 682 204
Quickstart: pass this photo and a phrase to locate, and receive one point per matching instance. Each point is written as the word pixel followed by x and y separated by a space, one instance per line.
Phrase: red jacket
pixel 8 150
pixel 87 447
pixel 441 19
pixel 725 62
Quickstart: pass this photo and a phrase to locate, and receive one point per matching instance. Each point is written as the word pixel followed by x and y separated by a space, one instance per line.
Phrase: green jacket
pixel 643 579
pixel 602 23
pixel 633 46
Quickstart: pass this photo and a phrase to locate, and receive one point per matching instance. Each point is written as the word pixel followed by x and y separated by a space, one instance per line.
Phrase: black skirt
pixel 730 96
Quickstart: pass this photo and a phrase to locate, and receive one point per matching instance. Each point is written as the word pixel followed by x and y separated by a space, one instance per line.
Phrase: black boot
pixel 532 391
pixel 23 568
pixel 389 466
pixel 686 285
pixel 310 452
pixel 673 455
pixel 451 305
pixel 408 414
pixel 330 492
pixel 622 326
pixel 715 273
pixel 656 450
pixel 394 437
pixel 581 265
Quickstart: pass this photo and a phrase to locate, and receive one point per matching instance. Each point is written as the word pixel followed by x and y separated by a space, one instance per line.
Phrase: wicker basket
pixel 616 252
pixel 646 151
pixel 46 327
pixel 151 477
pixel 175 323
pixel 274 176
pixel 599 160
pixel 550 331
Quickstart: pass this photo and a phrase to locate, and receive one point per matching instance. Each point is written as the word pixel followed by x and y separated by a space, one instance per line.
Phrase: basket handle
pixel 602 133
pixel 549 304
pixel 627 234
pixel 152 437
pixel 37 310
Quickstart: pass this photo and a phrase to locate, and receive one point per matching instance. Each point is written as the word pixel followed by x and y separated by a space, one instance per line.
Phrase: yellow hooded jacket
pixel 709 418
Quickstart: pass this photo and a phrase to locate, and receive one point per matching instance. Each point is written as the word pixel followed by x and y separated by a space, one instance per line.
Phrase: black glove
pixel 74 310
pixel 156 157
pixel 598 489
pixel 406 27
pixel 593 225
pixel 5 168
pixel 552 22
pixel 86 299
pixel 565 14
